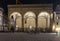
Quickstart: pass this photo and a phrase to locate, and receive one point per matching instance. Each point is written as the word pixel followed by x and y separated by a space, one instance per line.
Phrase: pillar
pixel 36 23
pixel 54 22
pixel 51 22
pixel 22 23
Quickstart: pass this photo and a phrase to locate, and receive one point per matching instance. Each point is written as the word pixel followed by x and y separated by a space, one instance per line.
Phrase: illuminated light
pixel 29 14
pixel 30 27
pixel 16 27
pixel 44 14
pixel 58 29
pixel 14 14
pixel 57 18
pixel 51 15
pixel 53 27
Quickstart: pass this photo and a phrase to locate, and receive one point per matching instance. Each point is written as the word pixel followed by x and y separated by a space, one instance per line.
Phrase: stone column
pixel 54 21
pixel 36 21
pixel 51 22
pixel 22 23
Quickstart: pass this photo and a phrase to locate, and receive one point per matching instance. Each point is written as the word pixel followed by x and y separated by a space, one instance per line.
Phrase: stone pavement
pixel 29 36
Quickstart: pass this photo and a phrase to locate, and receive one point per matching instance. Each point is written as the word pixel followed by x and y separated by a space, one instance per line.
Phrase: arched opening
pixel 29 21
pixel 17 20
pixel 1 19
pixel 43 21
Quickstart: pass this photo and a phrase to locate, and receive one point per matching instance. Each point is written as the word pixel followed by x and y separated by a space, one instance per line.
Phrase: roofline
pixel 31 5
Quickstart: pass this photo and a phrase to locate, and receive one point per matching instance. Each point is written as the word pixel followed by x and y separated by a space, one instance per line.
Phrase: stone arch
pixel 17 19
pixel 43 20
pixel 29 20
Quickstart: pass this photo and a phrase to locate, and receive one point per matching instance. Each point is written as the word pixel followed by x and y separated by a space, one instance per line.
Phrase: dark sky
pixel 4 3
pixel 7 2
pixel 31 1
pixel 36 1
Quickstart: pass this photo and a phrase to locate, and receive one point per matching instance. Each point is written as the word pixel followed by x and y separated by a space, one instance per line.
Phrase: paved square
pixel 29 37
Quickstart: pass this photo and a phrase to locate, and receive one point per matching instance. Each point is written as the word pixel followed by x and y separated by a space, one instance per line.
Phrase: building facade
pixel 32 17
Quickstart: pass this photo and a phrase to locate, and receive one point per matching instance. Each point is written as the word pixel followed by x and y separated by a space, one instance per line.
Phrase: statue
pixel 12 24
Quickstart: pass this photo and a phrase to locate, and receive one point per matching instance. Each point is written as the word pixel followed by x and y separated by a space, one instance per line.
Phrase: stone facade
pixel 36 9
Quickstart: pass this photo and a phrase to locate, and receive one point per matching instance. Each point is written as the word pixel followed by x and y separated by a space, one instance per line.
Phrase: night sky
pixel 4 3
